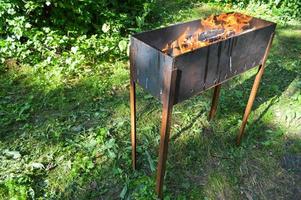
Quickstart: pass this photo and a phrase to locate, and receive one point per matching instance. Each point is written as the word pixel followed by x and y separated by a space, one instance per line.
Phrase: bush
pixel 56 32
pixel 288 8
pixel 84 16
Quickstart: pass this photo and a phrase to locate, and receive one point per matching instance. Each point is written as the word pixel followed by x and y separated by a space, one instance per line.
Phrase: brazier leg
pixel 253 92
pixel 250 104
pixel 133 121
pixel 164 140
pixel 214 102
pixel 167 100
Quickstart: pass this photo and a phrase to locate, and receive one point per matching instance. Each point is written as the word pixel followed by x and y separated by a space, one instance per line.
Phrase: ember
pixel 212 29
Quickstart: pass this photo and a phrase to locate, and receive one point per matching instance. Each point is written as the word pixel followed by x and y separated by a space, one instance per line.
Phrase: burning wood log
pixel 211 35
pixel 212 29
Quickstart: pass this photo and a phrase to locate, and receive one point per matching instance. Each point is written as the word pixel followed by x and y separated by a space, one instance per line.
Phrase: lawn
pixel 66 135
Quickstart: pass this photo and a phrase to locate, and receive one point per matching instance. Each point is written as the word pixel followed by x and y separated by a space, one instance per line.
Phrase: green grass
pixel 68 136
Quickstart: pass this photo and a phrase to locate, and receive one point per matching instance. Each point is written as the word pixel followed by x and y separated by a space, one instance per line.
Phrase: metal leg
pixel 133 121
pixel 214 102
pixel 253 93
pixel 168 100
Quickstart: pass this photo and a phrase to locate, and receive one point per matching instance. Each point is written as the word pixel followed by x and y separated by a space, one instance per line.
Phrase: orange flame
pixel 224 26
pixel 210 23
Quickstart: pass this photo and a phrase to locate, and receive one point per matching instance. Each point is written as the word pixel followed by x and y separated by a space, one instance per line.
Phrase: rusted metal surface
pixel 133 116
pixel 201 68
pixel 149 66
pixel 254 91
pixel 169 87
pixel 214 102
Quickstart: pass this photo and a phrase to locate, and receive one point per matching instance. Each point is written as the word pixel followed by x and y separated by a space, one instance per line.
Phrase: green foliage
pixel 60 33
pixel 15 190
pixel 84 16
pixel 288 9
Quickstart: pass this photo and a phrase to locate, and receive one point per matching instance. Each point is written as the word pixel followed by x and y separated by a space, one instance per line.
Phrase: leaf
pixel 249 196
pixel 150 161
pixel 111 154
pixel 90 165
pixel 24 108
pixel 122 45
pixel 68 164
pixel 74 49
pixel 277 2
pixel 12 154
pixel 77 128
pixel 148 96
pixel 105 28
pixel 91 144
pixel 110 144
pixel 37 166
pixel 123 192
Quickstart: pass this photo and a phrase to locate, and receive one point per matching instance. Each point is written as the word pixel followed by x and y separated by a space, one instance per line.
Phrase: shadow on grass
pixel 211 167
pixel 275 81
pixel 37 123
pixel 73 103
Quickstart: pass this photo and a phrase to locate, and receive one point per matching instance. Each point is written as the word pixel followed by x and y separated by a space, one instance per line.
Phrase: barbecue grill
pixel 161 67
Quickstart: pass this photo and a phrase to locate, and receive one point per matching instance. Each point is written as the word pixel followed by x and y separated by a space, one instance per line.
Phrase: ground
pixel 62 138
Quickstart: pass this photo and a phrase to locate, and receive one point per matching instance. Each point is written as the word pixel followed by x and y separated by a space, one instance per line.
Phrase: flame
pixel 210 23
pixel 212 29
pixel 234 22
